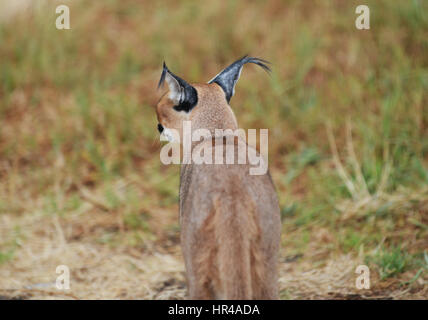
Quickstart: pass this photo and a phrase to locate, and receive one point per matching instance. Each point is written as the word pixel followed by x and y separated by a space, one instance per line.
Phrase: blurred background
pixel 81 183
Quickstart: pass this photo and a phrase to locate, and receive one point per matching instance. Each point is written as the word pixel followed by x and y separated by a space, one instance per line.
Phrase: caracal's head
pixel 205 105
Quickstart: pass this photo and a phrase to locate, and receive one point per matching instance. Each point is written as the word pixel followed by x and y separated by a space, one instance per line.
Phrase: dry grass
pixel 157 272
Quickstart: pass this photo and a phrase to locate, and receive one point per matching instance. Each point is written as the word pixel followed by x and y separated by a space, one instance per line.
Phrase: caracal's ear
pixel 182 94
pixel 227 78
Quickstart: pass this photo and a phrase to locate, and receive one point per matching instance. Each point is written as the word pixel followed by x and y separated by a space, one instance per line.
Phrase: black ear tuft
pixel 227 78
pixel 162 78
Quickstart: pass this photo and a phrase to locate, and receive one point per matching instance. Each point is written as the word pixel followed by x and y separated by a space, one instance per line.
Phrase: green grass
pixel 9 247
pixel 390 261
pixel 6 256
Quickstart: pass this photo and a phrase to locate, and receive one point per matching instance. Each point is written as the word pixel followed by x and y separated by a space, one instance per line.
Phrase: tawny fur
pixel 230 221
